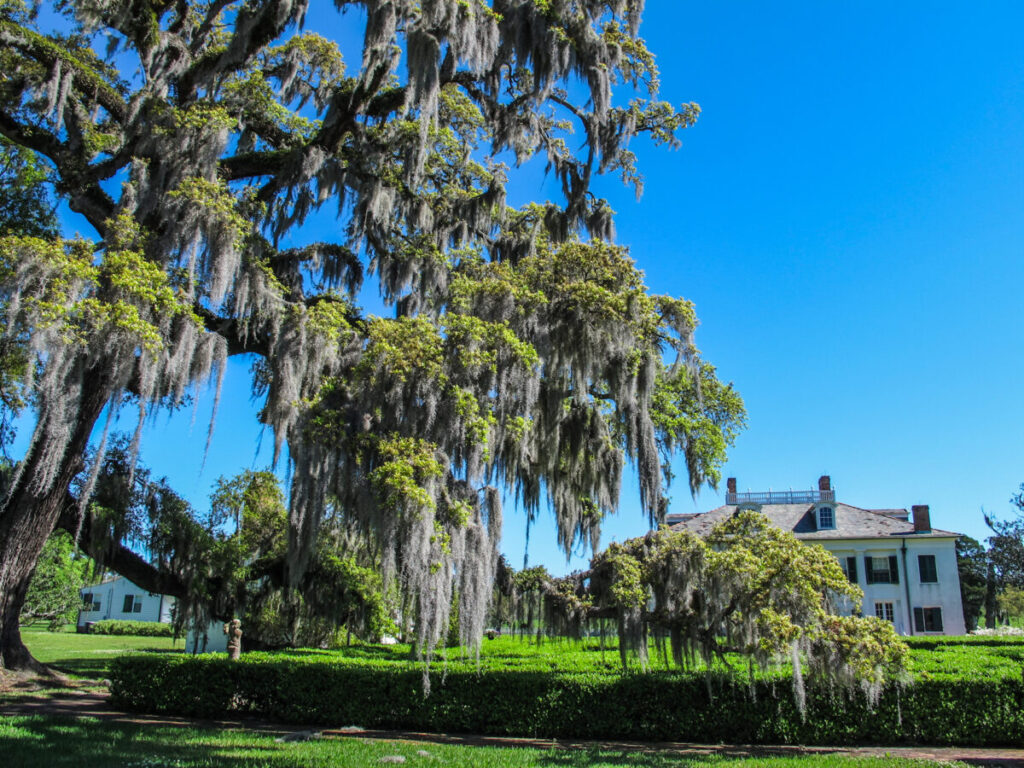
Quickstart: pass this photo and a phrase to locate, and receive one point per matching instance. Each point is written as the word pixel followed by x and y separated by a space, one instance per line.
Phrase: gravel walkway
pixel 69 704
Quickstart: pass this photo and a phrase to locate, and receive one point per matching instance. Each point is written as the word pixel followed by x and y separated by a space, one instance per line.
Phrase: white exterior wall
pixel 111 597
pixel 216 640
pixel 944 593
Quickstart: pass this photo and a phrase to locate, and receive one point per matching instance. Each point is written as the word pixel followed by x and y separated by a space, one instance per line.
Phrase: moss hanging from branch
pixel 524 354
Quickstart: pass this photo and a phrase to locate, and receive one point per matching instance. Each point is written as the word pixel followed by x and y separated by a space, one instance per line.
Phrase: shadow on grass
pixel 35 742
pixel 96 666
pixel 54 741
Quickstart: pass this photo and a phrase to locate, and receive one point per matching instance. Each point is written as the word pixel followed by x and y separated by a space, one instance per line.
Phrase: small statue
pixel 233 629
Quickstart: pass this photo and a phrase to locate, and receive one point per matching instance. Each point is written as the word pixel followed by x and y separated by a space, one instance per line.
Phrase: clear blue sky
pixel 848 217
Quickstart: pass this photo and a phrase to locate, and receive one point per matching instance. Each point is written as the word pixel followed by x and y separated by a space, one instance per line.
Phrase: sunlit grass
pixel 41 741
pixel 88 655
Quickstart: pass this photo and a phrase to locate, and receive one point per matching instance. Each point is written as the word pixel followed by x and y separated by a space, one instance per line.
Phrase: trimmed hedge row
pixel 126 627
pixel 655 706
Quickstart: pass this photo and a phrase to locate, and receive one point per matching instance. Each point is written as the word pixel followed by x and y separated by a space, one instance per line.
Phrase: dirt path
pixel 65 703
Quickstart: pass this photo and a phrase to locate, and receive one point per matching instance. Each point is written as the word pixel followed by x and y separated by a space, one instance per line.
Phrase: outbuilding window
pixel 132 604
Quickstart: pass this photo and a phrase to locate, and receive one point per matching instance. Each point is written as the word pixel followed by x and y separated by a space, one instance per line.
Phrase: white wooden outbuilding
pixel 120 599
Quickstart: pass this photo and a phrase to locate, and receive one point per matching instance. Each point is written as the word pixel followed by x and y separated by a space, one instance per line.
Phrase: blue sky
pixel 848 217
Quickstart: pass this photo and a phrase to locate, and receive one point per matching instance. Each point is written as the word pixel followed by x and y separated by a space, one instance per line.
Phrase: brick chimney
pixel 824 483
pixel 730 485
pixel 922 518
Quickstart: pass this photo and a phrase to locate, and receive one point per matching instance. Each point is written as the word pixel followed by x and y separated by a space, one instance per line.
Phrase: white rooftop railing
pixel 780 497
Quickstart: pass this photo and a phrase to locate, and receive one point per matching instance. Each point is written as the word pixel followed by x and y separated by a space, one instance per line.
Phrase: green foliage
pixel 1011 602
pixel 748 588
pixel 972 564
pixel 26 207
pixel 26 210
pixel 252 501
pixel 523 350
pixel 699 416
pixel 561 693
pixel 53 593
pixel 136 628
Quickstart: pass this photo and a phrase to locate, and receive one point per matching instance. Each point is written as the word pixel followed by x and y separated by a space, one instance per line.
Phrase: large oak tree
pixel 524 353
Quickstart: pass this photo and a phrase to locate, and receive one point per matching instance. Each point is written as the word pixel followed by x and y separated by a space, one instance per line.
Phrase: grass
pixel 87 656
pixel 85 743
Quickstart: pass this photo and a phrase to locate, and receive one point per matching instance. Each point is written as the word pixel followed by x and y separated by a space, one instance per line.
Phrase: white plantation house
pixel 118 598
pixel 907 569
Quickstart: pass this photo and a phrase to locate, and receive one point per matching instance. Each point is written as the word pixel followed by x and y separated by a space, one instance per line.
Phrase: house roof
pixel 105 582
pixel 851 522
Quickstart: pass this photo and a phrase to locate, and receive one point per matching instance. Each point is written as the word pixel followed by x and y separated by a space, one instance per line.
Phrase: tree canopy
pixel 523 354
pixel 54 595
pixel 228 558
pixel 747 589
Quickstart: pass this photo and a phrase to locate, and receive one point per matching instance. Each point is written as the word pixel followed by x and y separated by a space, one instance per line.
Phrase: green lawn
pixel 46 742
pixel 88 655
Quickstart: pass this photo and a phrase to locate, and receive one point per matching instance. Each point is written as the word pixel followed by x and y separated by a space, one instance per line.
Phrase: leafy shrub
pixel 126 627
pixel 376 688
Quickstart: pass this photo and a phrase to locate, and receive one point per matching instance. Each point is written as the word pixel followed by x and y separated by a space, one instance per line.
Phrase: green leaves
pixel 53 593
pixel 747 588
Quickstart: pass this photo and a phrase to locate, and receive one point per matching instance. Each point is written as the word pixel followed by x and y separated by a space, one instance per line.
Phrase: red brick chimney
pixel 922 518
pixel 824 483
pixel 730 485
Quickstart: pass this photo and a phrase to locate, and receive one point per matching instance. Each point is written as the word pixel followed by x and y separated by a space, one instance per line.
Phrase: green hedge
pixel 124 627
pixel 655 706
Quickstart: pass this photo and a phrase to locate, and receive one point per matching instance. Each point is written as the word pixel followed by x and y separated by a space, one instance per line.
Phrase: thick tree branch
pixel 118 557
pixel 48 53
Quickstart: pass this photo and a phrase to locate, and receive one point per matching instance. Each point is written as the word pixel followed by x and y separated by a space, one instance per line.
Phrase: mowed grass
pixel 89 655
pixel 47 742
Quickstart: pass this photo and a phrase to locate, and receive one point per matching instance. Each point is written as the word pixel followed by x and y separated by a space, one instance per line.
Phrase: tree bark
pixel 29 515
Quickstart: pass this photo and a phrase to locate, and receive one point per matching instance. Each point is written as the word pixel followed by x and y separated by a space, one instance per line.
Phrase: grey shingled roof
pixel 851 522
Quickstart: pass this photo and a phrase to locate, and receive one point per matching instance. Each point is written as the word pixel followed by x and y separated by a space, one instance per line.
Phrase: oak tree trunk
pixel 28 517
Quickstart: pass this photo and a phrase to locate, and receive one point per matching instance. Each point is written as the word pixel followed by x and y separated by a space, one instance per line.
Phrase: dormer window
pixel 826 518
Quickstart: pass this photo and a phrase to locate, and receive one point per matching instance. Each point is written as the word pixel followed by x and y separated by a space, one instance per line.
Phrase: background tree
pixel 54 595
pixel 524 351
pixel 26 209
pixel 972 563
pixel 1006 557
pixel 1011 603
pixel 748 588
pixel 229 560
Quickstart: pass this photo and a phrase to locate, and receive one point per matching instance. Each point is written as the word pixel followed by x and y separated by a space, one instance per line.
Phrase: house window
pixel 926 565
pixel 927 619
pixel 132 604
pixel 849 566
pixel 826 518
pixel 881 570
pixel 885 611
pixel 90 603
